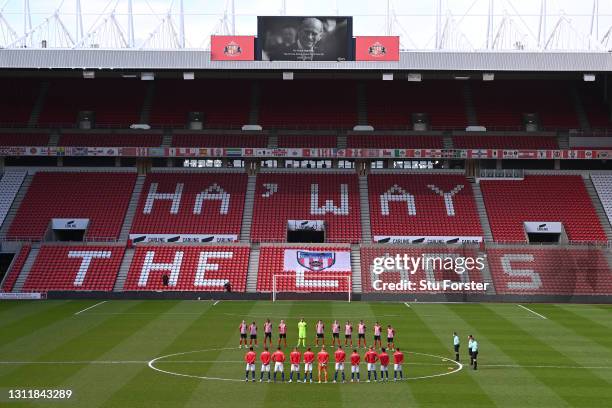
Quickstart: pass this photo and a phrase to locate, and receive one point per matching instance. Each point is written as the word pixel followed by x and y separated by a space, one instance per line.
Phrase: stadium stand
pixel 390 104
pixel 500 104
pixel 603 186
pixel 422 205
pixel 374 141
pixel 598 113
pixel 297 141
pixel 174 100
pixel 489 141
pixel 18 98
pixel 550 271
pixel 16 267
pixel 101 197
pixel 9 187
pixel 331 197
pixel 74 267
pixel 541 199
pixel 433 272
pixel 296 104
pixel 189 268
pixel 24 139
pixel 191 203
pixel 115 102
pixel 111 140
pixel 273 259
pixel 219 140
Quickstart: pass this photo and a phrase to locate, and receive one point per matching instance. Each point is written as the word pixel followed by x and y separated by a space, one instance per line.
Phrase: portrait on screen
pixel 305 38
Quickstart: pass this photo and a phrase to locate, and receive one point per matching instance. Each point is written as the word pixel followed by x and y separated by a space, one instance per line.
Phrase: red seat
pixel 225 140
pixel 390 105
pixel 369 253
pixel 225 103
pixel 75 267
pixel 563 199
pixel 24 139
pixel 433 214
pixel 111 140
pixel 115 102
pixel 550 271
pixel 15 270
pixel 103 198
pixel 220 211
pixel 374 141
pixel 280 197
pixel 488 141
pixel 296 104
pixel 198 268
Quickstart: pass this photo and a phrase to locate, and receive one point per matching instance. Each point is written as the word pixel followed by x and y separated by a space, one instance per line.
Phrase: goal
pixel 314 282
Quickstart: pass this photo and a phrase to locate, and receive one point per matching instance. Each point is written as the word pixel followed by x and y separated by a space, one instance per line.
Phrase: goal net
pixel 312 282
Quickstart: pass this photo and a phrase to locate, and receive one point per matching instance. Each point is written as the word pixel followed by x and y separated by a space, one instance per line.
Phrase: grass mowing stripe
pixel 585 327
pixel 136 346
pixel 422 339
pixel 375 394
pixel 496 382
pixel 89 345
pixel 171 390
pixel 578 388
pixel 51 313
pixel 324 395
pixel 225 392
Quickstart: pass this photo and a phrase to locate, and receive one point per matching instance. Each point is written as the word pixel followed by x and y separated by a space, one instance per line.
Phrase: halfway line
pixel 535 313
pixel 90 307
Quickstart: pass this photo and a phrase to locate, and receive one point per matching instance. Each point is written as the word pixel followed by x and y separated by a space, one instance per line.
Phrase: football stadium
pixel 297 204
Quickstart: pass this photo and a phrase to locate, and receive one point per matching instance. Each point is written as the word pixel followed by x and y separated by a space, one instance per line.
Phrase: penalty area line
pixel 90 307
pixel 531 311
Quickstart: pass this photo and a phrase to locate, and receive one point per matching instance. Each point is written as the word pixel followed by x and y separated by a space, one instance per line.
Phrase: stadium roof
pixel 409 60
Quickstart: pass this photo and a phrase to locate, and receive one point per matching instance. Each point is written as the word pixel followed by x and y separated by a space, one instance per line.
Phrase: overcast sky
pixel 415 20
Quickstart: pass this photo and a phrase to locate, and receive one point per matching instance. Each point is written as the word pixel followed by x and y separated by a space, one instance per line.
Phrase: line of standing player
pixel 248 334
pixel 371 357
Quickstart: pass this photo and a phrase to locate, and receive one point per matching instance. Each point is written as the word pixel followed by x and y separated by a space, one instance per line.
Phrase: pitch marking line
pixel 160 359
pixel 407 304
pixel 531 311
pixel 215 304
pixel 90 307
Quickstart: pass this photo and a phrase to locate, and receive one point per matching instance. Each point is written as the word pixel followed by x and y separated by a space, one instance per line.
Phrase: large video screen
pixel 305 38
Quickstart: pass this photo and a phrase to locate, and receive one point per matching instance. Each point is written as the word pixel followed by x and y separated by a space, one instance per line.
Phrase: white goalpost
pixel 312 283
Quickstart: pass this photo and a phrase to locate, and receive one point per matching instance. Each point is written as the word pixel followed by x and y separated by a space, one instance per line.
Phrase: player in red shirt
pixel 294 359
pixel 308 359
pixel 398 360
pixel 370 358
pixel 249 359
pixel 265 358
pixel 383 357
pixel 355 360
pixel 323 358
pixel 340 357
pixel 279 363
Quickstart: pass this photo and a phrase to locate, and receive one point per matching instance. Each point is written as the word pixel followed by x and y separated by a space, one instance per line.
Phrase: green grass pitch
pixel 561 358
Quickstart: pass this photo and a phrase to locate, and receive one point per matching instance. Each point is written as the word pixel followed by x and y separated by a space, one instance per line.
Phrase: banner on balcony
pixel 377 48
pixel 232 48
